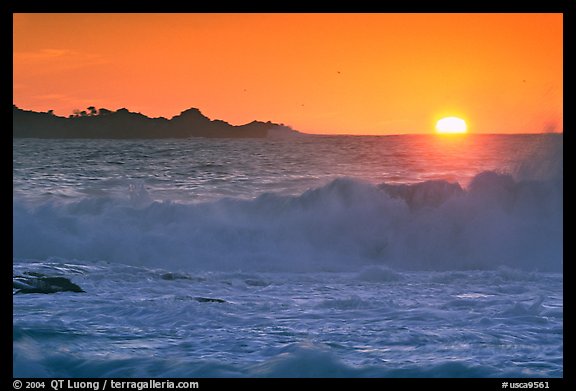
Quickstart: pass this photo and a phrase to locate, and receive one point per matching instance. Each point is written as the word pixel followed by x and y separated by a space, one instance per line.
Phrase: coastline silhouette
pixel 124 124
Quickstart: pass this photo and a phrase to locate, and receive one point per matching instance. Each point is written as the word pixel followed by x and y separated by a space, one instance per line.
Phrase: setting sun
pixel 451 125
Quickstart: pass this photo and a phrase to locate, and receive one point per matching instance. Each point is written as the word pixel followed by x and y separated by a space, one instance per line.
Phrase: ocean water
pixel 311 256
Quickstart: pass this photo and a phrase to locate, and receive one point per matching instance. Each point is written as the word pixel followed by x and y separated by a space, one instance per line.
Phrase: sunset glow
pixel 318 73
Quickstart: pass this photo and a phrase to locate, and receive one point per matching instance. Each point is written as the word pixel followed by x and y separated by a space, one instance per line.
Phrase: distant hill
pixel 124 124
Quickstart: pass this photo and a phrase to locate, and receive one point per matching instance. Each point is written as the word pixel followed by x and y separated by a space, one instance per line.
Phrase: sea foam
pixel 345 225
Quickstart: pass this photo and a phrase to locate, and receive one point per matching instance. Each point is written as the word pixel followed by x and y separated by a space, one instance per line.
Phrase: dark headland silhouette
pixel 124 124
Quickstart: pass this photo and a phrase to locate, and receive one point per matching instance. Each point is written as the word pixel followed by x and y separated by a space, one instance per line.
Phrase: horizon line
pixel 417 133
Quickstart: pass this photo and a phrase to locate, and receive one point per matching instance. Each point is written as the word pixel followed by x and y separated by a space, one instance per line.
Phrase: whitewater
pixel 309 256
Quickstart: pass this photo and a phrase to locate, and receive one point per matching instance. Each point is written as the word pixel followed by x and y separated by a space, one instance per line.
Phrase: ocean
pixel 308 256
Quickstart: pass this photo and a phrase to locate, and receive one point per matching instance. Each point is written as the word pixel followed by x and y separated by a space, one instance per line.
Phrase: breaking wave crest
pixel 346 225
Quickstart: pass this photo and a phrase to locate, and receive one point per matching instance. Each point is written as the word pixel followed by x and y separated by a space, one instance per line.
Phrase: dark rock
pixel 209 300
pixel 38 283
pixel 174 276
pixel 169 276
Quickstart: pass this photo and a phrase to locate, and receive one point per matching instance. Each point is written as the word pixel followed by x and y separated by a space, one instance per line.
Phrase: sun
pixel 451 125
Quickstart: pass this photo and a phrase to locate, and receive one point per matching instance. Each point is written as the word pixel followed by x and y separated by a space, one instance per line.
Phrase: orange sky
pixel 319 73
